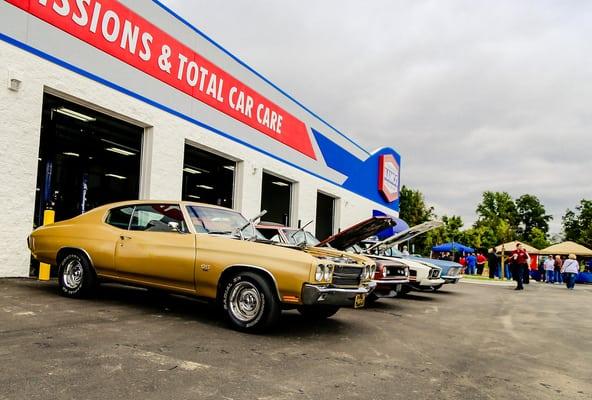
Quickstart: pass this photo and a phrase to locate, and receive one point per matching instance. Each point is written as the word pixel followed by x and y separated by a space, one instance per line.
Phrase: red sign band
pixel 123 34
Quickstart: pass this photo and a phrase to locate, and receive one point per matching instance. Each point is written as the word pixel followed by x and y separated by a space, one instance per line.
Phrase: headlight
pixel 384 272
pixel 320 272
pixel 327 274
pixel 371 271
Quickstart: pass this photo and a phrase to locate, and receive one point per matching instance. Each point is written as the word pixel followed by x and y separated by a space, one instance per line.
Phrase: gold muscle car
pixel 200 250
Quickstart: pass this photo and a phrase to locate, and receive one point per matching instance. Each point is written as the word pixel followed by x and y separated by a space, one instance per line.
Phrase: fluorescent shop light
pixel 74 114
pixel 194 196
pixel 204 187
pixel 191 170
pixel 71 154
pixel 280 183
pixel 229 167
pixel 120 151
pixel 116 176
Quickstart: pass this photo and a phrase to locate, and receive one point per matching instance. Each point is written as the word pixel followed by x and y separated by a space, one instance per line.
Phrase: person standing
pixel 493 264
pixel 549 266
pixel 481 260
pixel 471 263
pixel 570 269
pixel 519 264
pixel 557 268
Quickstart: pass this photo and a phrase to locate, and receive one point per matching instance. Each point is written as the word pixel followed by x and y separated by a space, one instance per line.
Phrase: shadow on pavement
pixel 150 302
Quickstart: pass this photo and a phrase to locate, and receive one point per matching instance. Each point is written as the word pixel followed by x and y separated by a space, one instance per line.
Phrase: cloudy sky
pixel 475 95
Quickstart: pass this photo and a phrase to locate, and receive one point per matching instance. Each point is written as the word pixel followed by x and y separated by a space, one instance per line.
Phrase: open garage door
pixel 208 177
pixel 86 159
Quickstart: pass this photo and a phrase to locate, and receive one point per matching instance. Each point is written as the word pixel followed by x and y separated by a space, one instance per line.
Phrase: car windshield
pixel 297 237
pixel 220 221
pixel 392 252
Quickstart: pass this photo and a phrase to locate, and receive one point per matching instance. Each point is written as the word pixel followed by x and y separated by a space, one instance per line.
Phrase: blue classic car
pixel 451 271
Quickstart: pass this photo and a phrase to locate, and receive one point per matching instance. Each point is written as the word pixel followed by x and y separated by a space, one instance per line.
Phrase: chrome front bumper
pixel 451 279
pixel 313 294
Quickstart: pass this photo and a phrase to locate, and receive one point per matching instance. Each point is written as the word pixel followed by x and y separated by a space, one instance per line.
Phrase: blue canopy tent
pixel 388 232
pixel 453 247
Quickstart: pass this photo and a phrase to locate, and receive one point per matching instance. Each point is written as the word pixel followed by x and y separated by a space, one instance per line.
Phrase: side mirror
pixel 175 226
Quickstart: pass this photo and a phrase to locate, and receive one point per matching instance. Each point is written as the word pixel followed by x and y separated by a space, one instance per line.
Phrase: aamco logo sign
pixel 118 31
pixel 388 177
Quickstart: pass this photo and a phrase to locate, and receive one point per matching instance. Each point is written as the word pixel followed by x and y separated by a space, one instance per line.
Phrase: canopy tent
pixel 388 232
pixel 453 247
pixel 511 246
pixel 566 248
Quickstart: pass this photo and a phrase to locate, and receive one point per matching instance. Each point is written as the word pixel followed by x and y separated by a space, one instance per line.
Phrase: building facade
pixel 114 100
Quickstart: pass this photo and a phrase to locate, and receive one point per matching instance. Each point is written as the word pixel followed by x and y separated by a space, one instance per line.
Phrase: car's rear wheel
pixel 437 287
pixel 250 303
pixel 318 312
pixel 76 277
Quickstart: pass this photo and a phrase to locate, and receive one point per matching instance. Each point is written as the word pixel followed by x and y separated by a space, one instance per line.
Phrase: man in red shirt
pixel 519 260
pixel 480 263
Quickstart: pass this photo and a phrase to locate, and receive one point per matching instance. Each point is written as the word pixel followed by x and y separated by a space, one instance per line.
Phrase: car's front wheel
pixel 76 277
pixel 250 303
pixel 317 312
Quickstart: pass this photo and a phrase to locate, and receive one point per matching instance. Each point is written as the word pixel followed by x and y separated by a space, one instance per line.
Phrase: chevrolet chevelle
pixel 200 250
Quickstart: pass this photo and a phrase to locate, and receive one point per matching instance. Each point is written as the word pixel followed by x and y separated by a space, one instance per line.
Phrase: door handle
pixel 125 237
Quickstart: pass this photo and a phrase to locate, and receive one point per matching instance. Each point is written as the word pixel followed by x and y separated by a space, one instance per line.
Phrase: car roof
pixel 157 201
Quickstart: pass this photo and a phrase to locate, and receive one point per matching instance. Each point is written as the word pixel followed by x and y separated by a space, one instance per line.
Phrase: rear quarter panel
pixel 89 234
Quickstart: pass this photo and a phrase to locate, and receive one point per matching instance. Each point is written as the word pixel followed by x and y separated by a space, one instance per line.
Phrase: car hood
pixel 439 263
pixel 407 234
pixel 358 232
pixel 342 256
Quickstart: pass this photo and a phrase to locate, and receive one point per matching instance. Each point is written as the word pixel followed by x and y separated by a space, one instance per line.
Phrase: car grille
pixel 346 275
pixel 395 271
pixel 434 274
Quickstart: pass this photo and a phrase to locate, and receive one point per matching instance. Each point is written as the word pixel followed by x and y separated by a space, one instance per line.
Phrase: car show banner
pixel 120 32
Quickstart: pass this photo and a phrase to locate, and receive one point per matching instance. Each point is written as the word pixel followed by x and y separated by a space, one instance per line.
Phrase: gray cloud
pixel 475 95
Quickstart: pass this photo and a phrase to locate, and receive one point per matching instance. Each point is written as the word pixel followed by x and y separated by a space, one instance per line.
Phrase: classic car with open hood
pixel 200 250
pixel 391 274
pixel 451 271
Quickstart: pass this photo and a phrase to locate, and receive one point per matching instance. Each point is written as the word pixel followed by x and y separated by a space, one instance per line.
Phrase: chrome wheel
pixel 73 274
pixel 245 302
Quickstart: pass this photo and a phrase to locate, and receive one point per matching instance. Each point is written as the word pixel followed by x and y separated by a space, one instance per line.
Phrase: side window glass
pixel 156 218
pixel 120 217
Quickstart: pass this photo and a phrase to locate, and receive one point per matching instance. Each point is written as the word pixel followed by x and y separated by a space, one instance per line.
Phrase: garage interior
pixel 208 177
pixel 86 159
pixel 276 198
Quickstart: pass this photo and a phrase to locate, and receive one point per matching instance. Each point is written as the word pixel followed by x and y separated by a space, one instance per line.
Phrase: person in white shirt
pixel 549 266
pixel 405 251
pixel 570 269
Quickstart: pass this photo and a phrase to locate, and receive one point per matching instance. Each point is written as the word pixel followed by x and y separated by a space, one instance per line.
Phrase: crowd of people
pixel 552 269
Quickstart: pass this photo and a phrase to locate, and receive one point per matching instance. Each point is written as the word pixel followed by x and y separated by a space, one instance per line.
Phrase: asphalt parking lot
pixel 468 341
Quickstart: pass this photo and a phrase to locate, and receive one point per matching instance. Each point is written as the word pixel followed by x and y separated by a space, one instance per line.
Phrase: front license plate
pixel 360 300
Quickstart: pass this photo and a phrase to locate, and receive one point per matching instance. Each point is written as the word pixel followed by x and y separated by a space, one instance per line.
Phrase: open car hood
pixel 358 232
pixel 405 235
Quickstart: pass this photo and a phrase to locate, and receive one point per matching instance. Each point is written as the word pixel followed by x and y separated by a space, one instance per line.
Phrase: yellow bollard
pixel 44 269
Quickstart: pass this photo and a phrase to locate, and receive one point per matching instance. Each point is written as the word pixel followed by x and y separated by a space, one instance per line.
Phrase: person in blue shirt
pixel 471 263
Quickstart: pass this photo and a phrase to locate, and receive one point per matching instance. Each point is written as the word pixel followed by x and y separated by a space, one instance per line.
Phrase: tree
pixel 414 211
pixel 449 232
pixel 413 207
pixel 497 218
pixel 577 225
pixel 531 215
pixel 538 238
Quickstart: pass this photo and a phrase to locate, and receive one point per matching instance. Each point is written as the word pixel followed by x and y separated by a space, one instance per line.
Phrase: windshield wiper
pixel 239 231
pixel 301 229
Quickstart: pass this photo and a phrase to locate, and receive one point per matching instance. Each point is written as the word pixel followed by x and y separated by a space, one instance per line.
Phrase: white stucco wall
pixel 166 134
